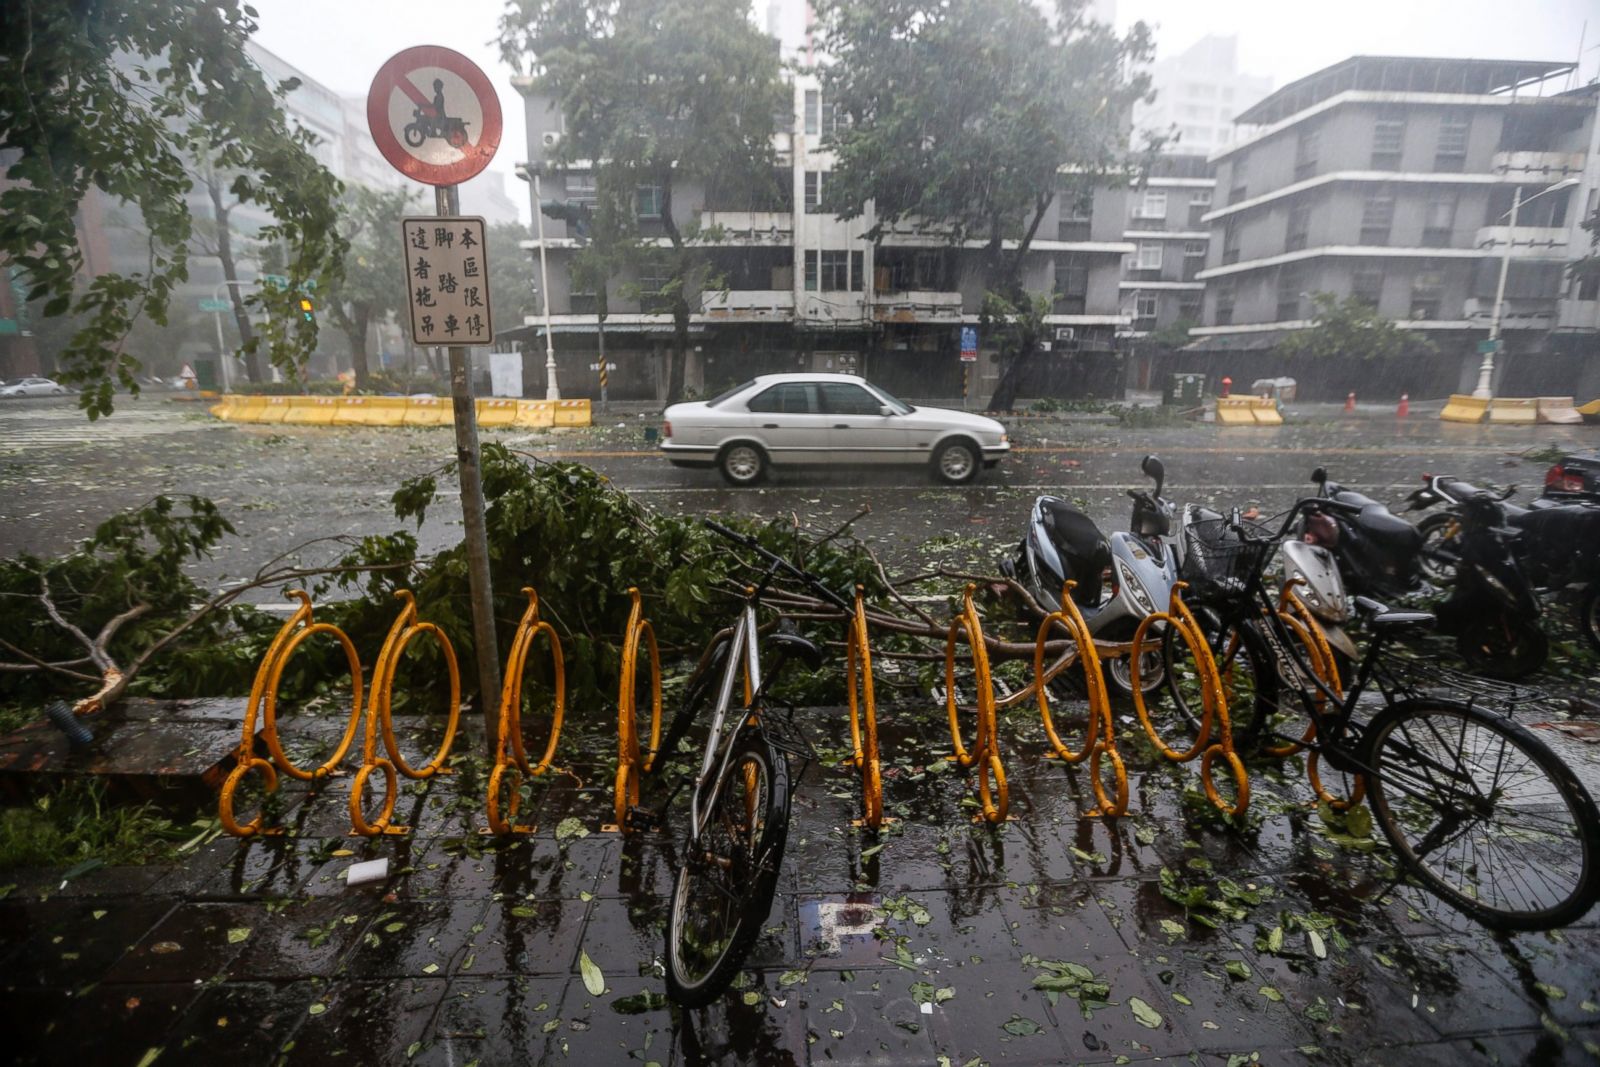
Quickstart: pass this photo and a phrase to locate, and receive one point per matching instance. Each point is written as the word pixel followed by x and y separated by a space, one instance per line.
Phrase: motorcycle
pixel 424 125
pixel 1120 579
pixel 1493 610
pixel 1377 551
pixel 1558 546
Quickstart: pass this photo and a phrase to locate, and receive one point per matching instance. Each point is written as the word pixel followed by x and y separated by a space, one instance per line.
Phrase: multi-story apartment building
pixel 1198 94
pixel 1160 285
pixel 798 288
pixel 1392 180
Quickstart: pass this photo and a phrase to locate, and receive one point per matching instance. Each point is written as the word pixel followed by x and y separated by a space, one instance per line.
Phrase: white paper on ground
pixel 368 871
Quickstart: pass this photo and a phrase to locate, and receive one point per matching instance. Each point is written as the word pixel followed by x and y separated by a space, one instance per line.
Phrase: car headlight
pixel 1135 588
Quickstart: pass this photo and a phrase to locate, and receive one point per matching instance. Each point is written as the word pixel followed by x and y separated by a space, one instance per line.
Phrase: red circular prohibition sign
pixel 394 75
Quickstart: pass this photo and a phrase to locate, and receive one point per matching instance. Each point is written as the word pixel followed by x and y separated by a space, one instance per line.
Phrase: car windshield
pixel 719 398
pixel 900 406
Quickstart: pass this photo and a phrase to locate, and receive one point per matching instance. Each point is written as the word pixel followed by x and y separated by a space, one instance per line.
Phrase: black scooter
pixel 1493 610
pixel 1377 551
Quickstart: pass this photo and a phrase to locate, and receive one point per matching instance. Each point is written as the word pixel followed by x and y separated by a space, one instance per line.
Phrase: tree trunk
pixel 356 332
pixel 230 274
pixel 1010 286
pixel 680 302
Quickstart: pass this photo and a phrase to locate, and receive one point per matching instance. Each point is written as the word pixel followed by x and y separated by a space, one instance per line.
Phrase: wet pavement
pixel 1058 937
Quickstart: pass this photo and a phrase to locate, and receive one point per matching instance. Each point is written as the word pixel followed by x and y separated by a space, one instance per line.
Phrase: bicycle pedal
pixel 645 819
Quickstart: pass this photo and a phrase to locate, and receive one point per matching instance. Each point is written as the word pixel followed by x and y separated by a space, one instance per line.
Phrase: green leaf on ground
pixel 593 980
pixel 1020 1026
pixel 238 934
pixel 1144 1013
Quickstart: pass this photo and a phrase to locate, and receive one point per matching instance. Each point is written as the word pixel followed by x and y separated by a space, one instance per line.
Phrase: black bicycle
pixel 739 800
pixel 1482 812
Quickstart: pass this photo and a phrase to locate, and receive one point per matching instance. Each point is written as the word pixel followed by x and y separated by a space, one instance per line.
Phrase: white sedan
pixel 784 420
pixel 31 387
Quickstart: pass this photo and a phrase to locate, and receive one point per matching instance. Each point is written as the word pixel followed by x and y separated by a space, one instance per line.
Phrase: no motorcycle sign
pixel 434 115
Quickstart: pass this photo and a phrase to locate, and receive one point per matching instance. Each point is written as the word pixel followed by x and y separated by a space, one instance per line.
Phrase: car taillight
pixel 666 429
pixel 1558 479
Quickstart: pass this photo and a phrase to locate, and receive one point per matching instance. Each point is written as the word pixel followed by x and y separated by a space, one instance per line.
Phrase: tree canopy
pixel 656 93
pixel 367 293
pixel 120 96
pixel 1350 328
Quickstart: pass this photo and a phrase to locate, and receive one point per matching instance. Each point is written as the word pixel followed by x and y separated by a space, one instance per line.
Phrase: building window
pixel 813 111
pixel 1149 255
pixel 811 270
pixel 858 271
pixel 1144 305
pixel 1589 288
pixel 582 189
pixel 835 271
pixel 1306 151
pixel 1194 249
pixel 1427 290
pixel 1366 286
pixel 1439 223
pixel 1230 242
pixel 1199 204
pixel 1299 230
pixel 1451 155
pixel 813 191
pixel 653 282
pixel 1072 284
pixel 1077 208
pixel 1291 283
pixel 1154 205
pixel 1239 189
pixel 1227 290
pixel 649 201
pixel 1388 137
pixel 1377 216
pixel 1189 308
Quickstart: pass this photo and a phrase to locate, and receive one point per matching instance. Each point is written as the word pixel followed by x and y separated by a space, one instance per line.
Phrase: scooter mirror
pixel 1319 475
pixel 1152 467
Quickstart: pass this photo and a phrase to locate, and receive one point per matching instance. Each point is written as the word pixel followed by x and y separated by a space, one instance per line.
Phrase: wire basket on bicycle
pixel 1217 562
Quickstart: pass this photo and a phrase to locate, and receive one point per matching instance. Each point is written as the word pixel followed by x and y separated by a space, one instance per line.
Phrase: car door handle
pixel 769 426
pixel 841 426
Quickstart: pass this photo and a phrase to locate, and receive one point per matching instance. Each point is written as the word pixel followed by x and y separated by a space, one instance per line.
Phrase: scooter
pixel 1120 579
pixel 425 124
pixel 1377 551
pixel 1493 610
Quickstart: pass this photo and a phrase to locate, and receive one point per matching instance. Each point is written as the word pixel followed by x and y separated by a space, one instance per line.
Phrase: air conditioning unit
pixel 551 139
pixel 1066 333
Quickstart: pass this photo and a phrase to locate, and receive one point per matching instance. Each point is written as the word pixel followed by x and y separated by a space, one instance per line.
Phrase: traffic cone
pixel 1405 406
pixel 1350 404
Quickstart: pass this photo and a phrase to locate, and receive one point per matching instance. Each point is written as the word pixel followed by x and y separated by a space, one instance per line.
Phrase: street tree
pixel 1586 270
pixel 1350 328
pixel 214 237
pixel 120 96
pixel 511 275
pixel 373 285
pixel 658 93
pixel 965 119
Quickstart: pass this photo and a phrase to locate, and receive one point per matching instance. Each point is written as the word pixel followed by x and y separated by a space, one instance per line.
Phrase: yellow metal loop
pixel 1100 736
pixel 985 751
pixel 864 714
pixel 510 758
pixel 225 812
pixel 634 760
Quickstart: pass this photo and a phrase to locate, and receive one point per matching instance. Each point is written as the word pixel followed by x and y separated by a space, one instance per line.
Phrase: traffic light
pixel 308 310
pixel 580 215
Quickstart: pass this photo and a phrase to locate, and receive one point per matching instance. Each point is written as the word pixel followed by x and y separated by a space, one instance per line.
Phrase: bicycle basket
pixel 1217 562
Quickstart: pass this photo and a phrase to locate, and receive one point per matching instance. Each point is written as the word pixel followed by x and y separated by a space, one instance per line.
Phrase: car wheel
pixel 742 464
pixel 956 462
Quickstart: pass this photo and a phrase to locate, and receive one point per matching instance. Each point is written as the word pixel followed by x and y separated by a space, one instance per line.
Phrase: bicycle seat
pixel 795 645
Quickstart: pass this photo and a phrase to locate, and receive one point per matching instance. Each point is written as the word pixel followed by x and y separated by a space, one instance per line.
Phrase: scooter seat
pixel 1083 548
pixel 1385 527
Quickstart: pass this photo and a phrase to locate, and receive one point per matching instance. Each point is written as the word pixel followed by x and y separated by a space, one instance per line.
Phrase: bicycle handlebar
pixel 778 561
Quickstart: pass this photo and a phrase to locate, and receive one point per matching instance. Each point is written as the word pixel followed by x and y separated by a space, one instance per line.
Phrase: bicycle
pixel 1480 811
pixel 739 802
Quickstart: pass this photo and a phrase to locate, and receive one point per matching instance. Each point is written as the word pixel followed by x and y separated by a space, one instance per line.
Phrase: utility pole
pixel 551 390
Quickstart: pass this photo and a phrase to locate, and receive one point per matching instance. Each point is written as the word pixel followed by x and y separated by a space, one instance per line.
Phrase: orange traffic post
pixel 511 765
pixel 634 760
pixel 264 703
pixel 985 751
pixel 1100 740
pixel 380 721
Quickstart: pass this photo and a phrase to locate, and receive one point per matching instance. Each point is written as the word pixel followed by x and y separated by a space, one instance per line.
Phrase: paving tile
pixel 191 943
pixel 70 1027
pixel 71 943
pixel 376 1022
pixel 409 937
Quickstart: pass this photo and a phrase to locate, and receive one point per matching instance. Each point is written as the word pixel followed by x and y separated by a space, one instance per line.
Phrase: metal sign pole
pixel 468 461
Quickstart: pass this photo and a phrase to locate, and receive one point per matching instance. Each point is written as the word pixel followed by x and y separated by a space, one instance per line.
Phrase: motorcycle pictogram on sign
pixel 434 115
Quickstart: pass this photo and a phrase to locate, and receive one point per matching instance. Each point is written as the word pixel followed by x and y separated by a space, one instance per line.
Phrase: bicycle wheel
pixel 1249 681
pixel 724 889
pixel 1484 814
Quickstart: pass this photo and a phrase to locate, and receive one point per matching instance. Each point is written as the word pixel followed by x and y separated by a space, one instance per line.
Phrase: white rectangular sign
pixel 447 280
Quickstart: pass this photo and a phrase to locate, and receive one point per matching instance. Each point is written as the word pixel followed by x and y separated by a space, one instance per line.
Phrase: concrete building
pixel 1160 284
pixel 1391 180
pixel 1198 95
pixel 802 289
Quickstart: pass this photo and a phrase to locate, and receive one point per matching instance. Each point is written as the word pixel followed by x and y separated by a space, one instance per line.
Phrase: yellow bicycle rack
pixel 1297 617
pixel 405 628
pixel 985 751
pixel 864 715
pixel 510 758
pixel 264 703
pixel 1214 705
pixel 633 761
pixel 1100 740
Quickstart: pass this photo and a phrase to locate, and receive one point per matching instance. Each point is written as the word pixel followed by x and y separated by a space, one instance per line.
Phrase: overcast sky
pixel 341 43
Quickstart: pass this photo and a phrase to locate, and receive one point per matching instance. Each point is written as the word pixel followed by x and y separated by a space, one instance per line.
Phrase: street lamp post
pixel 1485 389
pixel 551 390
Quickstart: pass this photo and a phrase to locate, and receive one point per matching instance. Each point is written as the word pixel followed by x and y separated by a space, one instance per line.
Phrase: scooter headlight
pixel 1135 588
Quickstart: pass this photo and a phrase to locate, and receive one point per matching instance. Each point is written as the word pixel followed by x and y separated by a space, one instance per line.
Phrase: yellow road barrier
pixel 379 711
pixel 1522 411
pixel 264 703
pixel 1589 411
pixel 863 715
pixel 535 414
pixel 1100 740
pixel 1214 706
pixel 633 760
pixel 276 409
pixel 572 413
pixel 311 411
pixel 1463 408
pixel 511 759
pixel 496 413
pixel 985 751
pixel 427 411
pixel 1558 411
pixel 1235 411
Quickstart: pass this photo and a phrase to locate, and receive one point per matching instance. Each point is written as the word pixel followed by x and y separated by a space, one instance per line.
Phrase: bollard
pixel 1405 406
pixel 985 751
pixel 1100 740
pixel 1350 404
pixel 264 702
pixel 632 760
pixel 1227 386
pixel 379 710
pixel 510 758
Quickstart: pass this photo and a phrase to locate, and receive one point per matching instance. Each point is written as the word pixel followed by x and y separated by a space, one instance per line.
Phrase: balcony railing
pixel 916 305
pixel 748 303
pixel 1538 166
pixel 1527 242
pixel 757 224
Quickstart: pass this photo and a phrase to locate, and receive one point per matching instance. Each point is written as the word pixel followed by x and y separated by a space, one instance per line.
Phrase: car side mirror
pixel 885 410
